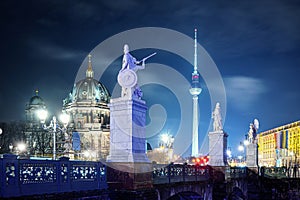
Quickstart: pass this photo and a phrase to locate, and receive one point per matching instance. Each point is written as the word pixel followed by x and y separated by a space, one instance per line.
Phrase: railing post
pixel 101 175
pixel 1 177
pixel 262 170
pixel 10 182
pixel 169 173
pixel 196 171
pixel 183 172
pixel 64 174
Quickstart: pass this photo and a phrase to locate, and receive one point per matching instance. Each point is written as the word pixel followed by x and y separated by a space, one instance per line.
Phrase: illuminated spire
pixel 89 71
pixel 36 92
pixel 195 52
pixel 195 87
pixel 195 90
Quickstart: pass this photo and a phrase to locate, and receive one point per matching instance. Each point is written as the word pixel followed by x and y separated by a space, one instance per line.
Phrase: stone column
pixel 127 131
pixel 217 148
pixel 129 166
pixel 251 155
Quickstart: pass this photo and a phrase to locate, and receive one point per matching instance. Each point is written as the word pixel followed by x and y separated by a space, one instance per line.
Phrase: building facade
pixel 280 146
pixel 38 141
pixel 87 104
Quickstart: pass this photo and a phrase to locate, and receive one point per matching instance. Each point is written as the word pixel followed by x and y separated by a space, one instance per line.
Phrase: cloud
pixel 243 92
pixel 245 27
pixel 53 51
pixel 120 5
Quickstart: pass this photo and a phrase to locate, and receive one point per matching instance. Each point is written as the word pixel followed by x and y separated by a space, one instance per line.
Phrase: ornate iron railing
pixel 281 172
pixel 173 173
pixel 20 177
pixel 236 172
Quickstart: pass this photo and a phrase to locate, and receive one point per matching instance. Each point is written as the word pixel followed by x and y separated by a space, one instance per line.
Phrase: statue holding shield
pixel 127 77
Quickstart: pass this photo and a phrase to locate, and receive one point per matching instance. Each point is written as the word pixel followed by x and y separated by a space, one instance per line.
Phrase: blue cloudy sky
pixel 254 44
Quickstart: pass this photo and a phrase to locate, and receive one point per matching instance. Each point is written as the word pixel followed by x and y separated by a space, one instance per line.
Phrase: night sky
pixel 255 46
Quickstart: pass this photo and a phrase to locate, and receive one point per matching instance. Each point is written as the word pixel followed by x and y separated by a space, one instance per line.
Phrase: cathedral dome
pixel 35 103
pixel 88 89
pixel 36 100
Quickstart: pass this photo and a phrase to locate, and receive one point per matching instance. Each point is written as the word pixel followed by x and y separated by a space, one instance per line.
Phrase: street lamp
pixel 240 157
pixel 229 155
pixel 11 147
pixel 228 152
pixel 64 117
pixel 241 147
pixel 165 139
pixel 246 142
pixel 0 135
pixel 21 147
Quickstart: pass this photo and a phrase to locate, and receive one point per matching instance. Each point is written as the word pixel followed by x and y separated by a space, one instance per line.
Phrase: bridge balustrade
pixel 21 177
pixel 173 173
pixel 281 172
pixel 236 172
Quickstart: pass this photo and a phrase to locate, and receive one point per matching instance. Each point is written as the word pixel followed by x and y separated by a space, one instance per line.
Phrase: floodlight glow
pixel 164 138
pixel 228 152
pixel 21 147
pixel 86 153
pixel 241 148
pixel 64 118
pixel 246 142
pixel 42 115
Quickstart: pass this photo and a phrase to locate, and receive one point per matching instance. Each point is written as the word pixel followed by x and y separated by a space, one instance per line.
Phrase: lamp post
pixel 229 155
pixel 65 119
pixel 42 114
pixel 21 147
pixel 246 143
pixel 11 147
pixel 0 138
pixel 241 148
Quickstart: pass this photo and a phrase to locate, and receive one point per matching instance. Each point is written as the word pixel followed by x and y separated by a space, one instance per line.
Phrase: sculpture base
pixel 123 156
pixel 251 155
pixel 127 131
pixel 217 148
pixel 130 176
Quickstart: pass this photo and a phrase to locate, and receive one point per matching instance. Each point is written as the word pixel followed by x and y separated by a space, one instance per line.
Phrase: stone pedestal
pixel 251 155
pixel 129 166
pixel 127 131
pixel 217 148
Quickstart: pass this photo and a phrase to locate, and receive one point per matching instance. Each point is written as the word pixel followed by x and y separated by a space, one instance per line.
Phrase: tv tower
pixel 195 90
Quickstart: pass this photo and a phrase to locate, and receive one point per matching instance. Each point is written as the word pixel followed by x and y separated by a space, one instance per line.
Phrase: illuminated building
pixel 164 154
pixel 87 104
pixel 280 146
pixel 38 141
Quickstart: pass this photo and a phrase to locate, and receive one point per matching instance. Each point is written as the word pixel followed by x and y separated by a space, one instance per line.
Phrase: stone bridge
pixel 64 179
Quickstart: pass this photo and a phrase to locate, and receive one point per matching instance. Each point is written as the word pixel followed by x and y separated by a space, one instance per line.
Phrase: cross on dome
pixel 89 71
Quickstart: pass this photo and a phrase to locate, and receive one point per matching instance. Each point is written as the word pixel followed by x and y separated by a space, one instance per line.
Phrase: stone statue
pixel 253 128
pixel 250 133
pixel 127 77
pixel 130 62
pixel 216 115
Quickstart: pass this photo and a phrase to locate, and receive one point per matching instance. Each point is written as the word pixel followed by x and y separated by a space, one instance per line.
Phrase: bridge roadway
pixel 64 179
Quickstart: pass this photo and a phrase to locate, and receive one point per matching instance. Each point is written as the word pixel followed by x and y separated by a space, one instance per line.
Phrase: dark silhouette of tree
pixel 12 133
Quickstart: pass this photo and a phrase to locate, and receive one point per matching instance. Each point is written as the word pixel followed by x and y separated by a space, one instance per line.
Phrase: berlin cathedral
pixel 87 106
